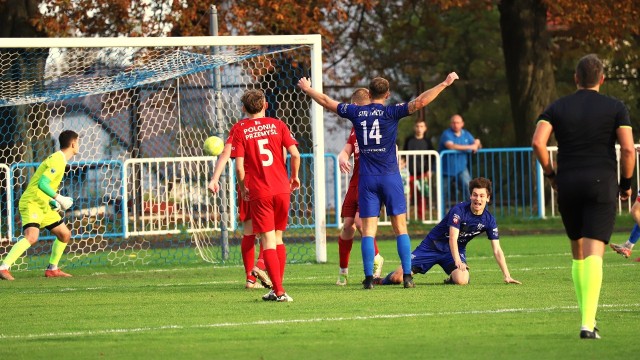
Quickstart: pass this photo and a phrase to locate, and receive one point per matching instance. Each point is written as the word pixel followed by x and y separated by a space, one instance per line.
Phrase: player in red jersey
pixel 263 180
pixel 350 218
pixel 253 270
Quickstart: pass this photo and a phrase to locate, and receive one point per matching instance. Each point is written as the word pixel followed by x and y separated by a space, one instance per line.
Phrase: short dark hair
pixel 360 96
pixel 420 120
pixel 480 183
pixel 253 101
pixel 66 137
pixel 589 71
pixel 378 88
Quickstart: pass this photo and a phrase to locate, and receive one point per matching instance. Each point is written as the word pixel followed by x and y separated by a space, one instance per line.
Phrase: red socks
pixel 260 262
pixel 282 257
pixel 344 249
pixel 247 247
pixel 375 247
pixel 273 269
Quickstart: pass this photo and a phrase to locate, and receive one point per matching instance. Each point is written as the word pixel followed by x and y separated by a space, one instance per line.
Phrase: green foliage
pixel 204 312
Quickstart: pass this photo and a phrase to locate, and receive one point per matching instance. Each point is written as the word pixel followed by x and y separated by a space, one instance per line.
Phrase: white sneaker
pixel 342 278
pixel 377 265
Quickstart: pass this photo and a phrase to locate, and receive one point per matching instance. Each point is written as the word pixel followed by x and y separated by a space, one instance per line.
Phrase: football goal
pixel 143 108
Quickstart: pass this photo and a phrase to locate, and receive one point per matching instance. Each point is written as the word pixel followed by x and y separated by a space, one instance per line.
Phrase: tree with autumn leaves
pixel 516 49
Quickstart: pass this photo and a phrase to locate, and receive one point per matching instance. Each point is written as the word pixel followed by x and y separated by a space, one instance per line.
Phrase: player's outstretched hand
pixel 450 78
pixel 304 84
pixel 64 201
pixel 294 183
pixel 510 280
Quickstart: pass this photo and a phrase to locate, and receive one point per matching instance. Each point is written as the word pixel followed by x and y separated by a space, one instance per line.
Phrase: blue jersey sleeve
pixel 492 228
pixel 347 111
pixel 455 216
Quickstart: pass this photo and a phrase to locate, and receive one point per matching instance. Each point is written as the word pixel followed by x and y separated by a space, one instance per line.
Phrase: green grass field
pixel 204 312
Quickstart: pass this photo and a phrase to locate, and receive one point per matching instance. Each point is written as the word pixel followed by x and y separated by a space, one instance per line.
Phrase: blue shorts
pixel 375 191
pixel 426 255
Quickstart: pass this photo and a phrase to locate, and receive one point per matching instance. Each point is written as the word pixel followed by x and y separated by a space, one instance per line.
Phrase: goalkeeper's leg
pixel 31 234
pixel 63 235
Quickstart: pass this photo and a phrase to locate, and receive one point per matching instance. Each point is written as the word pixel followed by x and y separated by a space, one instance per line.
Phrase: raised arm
pixel 502 262
pixel 428 96
pixel 323 100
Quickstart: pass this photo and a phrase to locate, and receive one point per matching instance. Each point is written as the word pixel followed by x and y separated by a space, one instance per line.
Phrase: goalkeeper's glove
pixel 64 201
pixel 55 206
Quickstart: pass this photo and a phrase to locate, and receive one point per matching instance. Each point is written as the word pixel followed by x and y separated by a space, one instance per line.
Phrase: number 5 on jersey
pixel 265 151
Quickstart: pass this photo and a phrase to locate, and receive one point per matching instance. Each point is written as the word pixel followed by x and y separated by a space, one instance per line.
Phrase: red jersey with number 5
pixel 260 142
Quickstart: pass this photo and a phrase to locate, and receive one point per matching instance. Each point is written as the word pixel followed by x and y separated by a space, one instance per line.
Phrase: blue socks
pixel 403 243
pixel 635 234
pixel 368 253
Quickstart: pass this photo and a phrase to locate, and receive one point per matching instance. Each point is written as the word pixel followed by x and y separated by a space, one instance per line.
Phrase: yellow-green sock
pixel 577 273
pixel 57 249
pixel 16 251
pixel 592 283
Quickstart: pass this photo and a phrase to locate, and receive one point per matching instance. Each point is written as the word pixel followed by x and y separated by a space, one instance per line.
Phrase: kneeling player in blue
pixel 445 245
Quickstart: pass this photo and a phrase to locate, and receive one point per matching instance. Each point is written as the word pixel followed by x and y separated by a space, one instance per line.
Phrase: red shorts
pixel 243 209
pixel 350 203
pixel 270 213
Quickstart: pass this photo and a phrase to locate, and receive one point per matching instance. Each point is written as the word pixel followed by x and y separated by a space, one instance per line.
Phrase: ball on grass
pixel 213 146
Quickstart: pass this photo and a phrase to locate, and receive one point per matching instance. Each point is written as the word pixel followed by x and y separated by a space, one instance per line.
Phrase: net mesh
pixel 140 180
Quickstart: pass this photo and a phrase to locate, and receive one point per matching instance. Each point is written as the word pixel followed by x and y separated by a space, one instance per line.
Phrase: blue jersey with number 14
pixel 376 128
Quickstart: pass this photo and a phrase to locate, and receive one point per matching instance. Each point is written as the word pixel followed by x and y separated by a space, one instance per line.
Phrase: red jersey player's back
pixel 261 141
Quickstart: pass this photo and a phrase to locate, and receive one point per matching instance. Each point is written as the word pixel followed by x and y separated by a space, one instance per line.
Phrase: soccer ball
pixel 213 146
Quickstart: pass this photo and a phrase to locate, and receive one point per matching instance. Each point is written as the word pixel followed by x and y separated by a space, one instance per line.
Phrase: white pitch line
pixel 607 307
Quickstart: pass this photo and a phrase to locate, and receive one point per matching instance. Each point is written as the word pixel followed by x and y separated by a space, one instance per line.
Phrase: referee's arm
pixel 539 144
pixel 627 160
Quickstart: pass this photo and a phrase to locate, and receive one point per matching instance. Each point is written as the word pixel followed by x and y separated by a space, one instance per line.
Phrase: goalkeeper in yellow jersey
pixel 39 206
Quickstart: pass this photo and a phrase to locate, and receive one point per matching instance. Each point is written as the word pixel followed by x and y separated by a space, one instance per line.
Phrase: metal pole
pixel 219 126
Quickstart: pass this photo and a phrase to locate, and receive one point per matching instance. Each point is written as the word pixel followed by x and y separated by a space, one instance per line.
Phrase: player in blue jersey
pixel 376 128
pixel 446 243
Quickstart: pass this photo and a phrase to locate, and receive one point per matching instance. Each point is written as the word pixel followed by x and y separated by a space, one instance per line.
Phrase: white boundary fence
pixel 158 191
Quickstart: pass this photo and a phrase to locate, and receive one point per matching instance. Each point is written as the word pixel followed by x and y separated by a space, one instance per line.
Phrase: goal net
pixel 143 108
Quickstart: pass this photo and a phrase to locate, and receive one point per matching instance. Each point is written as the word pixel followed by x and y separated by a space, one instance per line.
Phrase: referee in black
pixel 586 126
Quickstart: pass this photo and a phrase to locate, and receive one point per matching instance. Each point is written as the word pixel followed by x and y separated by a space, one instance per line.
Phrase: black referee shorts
pixel 587 201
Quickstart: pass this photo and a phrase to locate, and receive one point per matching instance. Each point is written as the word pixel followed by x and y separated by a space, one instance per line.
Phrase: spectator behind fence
pixel 455 167
pixel 420 167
